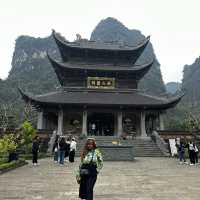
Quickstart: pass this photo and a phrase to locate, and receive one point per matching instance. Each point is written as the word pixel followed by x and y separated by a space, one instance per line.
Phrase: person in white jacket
pixel 72 150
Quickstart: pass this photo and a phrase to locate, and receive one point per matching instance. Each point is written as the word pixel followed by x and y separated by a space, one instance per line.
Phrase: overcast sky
pixel 174 25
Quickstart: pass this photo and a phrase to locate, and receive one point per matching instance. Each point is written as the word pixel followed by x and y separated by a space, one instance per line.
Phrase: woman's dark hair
pixel 57 138
pixel 85 149
pixel 36 137
pixel 62 140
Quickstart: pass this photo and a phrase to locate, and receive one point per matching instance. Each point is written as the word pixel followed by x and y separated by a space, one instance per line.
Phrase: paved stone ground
pixel 143 179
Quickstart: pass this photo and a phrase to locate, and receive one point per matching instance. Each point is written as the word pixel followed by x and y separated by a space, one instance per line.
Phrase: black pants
pixel 86 187
pixel 71 156
pixel 35 156
pixel 66 153
pixel 196 157
pixel 192 156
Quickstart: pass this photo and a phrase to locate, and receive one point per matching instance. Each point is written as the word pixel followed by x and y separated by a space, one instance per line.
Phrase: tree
pixel 192 122
pixel 27 135
pixel 7 117
pixel 3 116
pixel 29 113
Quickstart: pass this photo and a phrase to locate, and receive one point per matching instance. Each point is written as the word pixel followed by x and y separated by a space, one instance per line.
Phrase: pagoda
pixel 99 92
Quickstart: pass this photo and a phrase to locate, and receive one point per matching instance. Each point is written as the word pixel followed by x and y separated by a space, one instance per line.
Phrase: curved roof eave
pixel 171 102
pixel 75 45
pixel 131 68
pixel 52 61
pixel 162 105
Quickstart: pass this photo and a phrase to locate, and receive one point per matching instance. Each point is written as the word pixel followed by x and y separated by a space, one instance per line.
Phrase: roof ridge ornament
pixel 78 37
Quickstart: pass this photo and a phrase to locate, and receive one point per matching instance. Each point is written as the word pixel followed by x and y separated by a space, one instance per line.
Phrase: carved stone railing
pixel 162 145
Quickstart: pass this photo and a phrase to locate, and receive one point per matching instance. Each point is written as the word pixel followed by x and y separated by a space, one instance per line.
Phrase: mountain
pixel 190 103
pixel 191 83
pixel 32 71
pixel 173 87
pixel 110 30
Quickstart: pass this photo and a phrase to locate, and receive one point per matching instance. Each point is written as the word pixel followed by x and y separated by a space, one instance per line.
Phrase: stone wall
pixel 117 153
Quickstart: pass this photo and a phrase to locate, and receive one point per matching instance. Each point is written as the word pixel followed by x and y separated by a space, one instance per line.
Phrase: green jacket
pixel 97 160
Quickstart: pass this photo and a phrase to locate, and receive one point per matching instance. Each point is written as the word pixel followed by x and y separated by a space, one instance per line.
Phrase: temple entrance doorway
pixel 100 124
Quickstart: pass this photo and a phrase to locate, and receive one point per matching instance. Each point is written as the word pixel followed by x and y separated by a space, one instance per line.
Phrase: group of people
pixel 90 165
pixel 64 149
pixel 192 152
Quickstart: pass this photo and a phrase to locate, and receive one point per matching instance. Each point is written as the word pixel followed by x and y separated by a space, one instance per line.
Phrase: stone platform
pixel 117 152
pixel 143 179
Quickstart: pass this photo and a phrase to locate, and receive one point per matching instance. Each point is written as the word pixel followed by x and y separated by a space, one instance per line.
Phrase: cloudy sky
pixel 173 25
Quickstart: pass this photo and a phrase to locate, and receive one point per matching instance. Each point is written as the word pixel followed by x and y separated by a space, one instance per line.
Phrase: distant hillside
pixel 32 71
pixel 191 101
pixel 30 66
pixel 173 87
pixel 191 83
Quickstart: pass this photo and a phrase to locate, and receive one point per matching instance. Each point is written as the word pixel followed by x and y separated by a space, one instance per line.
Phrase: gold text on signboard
pixel 101 82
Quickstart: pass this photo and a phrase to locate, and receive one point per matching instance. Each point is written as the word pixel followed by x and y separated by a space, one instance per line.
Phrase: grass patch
pixel 29 156
pixel 4 158
pixel 11 165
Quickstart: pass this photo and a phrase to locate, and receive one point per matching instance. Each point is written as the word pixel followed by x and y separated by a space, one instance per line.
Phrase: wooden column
pixel 119 124
pixel 84 123
pixel 40 120
pixel 60 122
pixel 142 125
pixel 115 124
pixel 161 122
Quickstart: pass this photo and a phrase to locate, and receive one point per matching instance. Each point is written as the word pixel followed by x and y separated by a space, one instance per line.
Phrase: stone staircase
pixel 146 148
pixel 142 147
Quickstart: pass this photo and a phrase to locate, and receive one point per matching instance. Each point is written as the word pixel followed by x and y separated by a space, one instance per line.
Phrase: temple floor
pixel 143 179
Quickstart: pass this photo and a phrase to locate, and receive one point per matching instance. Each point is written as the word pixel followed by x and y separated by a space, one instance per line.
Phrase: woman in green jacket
pixel 91 164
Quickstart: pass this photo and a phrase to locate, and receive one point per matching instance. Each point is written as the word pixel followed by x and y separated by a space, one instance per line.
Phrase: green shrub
pixel 10 164
pixel 7 144
pixel 27 135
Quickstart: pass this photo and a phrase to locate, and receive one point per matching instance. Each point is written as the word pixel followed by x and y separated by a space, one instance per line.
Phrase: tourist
pixel 67 148
pixel 196 152
pixel 93 127
pixel 72 150
pixel 181 152
pixel 191 152
pixel 62 146
pixel 56 149
pixel 91 164
pixel 35 150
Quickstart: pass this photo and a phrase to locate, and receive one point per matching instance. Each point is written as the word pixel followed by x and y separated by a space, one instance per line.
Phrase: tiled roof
pixel 101 67
pixel 103 98
pixel 86 44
